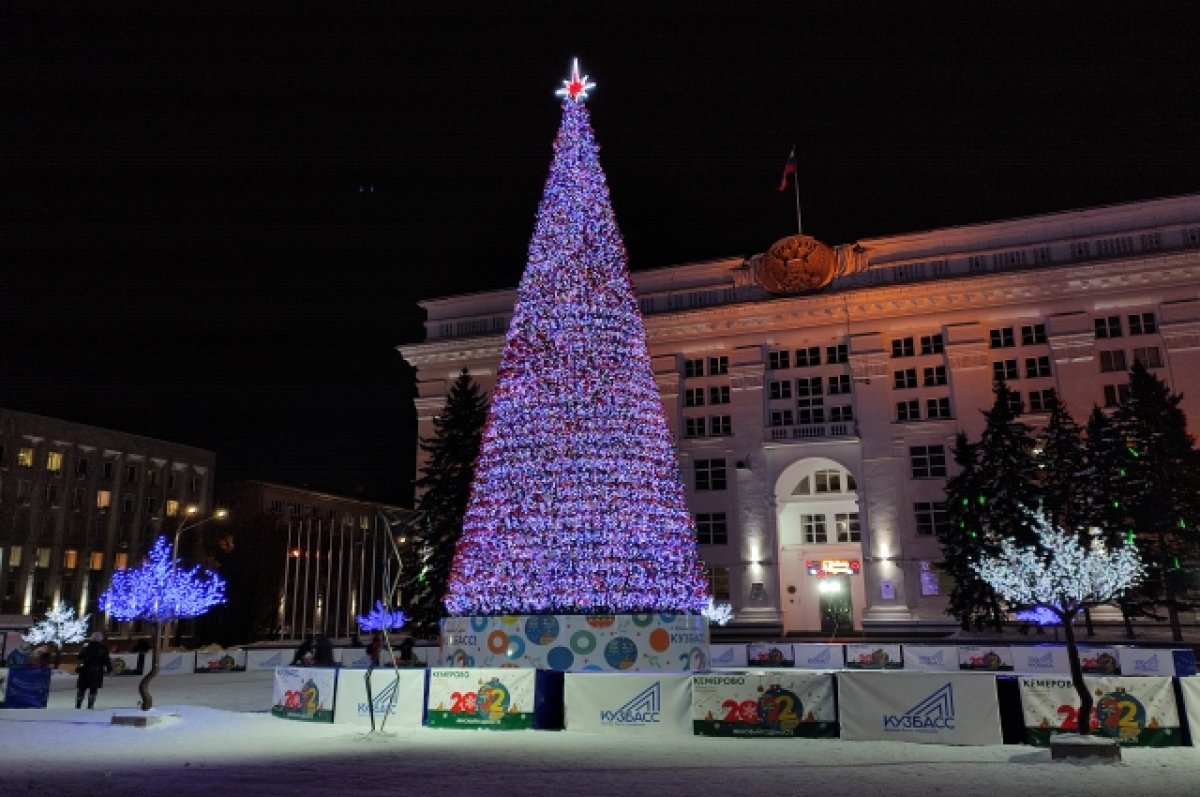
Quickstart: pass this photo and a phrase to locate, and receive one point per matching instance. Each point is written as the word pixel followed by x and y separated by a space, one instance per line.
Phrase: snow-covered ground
pixel 217 739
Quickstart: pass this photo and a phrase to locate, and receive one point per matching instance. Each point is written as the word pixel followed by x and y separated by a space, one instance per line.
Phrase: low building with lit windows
pixel 815 391
pixel 78 501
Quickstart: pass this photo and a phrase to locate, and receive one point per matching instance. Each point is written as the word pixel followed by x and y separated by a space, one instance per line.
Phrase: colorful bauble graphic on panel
pixel 492 700
pixel 621 653
pixel 541 629
pixel 1120 715
pixel 796 264
pixel 779 709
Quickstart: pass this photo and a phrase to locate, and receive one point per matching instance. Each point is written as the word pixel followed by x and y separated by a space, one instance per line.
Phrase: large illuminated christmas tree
pixel 577 504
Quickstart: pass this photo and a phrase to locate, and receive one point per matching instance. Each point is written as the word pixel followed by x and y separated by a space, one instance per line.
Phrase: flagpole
pixel 796 185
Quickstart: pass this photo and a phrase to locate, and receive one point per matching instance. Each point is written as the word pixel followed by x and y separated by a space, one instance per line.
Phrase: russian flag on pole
pixel 789 168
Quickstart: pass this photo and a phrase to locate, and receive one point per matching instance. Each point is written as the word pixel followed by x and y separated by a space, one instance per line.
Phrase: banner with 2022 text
pixel 1137 711
pixel 491 698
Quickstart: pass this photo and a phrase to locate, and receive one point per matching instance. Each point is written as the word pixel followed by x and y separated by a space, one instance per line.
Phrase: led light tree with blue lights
pixel 577 505
pixel 160 592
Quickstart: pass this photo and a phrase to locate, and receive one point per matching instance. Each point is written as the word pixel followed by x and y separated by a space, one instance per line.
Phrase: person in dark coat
pixel 374 648
pixel 323 655
pixel 94 662
pixel 304 653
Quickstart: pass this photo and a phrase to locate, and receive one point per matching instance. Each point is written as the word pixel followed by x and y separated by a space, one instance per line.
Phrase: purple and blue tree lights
pixel 577 504
pixel 159 591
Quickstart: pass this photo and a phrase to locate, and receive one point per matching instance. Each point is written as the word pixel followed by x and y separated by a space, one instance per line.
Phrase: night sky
pixel 218 218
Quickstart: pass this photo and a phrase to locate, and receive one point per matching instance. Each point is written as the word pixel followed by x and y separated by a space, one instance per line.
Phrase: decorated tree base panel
pixel 652 642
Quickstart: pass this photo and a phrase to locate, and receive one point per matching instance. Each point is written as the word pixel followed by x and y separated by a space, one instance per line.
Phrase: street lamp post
pixel 188 521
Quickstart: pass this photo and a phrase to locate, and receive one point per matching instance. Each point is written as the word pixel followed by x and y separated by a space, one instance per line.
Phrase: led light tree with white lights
pixel 577 504
pixel 160 592
pixel 1061 576
pixel 59 627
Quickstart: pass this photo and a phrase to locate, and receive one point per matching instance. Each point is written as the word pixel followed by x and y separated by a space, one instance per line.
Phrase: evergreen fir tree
pixel 577 504
pixel 445 486
pixel 1061 462
pixel 992 498
pixel 1161 489
pixel 971 600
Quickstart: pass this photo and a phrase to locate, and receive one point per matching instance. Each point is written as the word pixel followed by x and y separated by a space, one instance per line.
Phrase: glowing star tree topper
pixel 577 504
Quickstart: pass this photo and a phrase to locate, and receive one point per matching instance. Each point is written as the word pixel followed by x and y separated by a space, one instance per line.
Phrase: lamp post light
pixel 190 520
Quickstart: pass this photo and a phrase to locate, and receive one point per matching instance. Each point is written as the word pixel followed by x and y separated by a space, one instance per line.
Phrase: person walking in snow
pixel 94 662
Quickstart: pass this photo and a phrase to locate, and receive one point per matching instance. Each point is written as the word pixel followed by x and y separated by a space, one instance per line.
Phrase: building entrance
pixel 836 607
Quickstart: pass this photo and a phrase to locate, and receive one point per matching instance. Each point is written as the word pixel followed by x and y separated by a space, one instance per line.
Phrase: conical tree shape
pixel 577 504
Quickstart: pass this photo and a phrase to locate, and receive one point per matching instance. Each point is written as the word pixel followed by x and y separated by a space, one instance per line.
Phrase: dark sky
pixel 186 252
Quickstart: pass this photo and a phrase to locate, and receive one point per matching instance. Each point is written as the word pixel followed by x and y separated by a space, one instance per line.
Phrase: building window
pixel 928 462
pixel 1004 370
pixel 172 507
pixel 837 354
pixel 839 385
pixel 81 468
pixel 77 498
pixel 781 389
pixel 127 503
pixel 903 347
pixel 693 427
pixel 24 489
pixel 846 527
pixel 718 582
pixel 120 560
pixel 693 397
pixel 51 495
pixel 106 472
pixel 933 518
pixel 710 474
pixel 54 461
pixel 806 358
pixel 718 366
pixel 96 560
pixel 1108 327
pixel 935 376
pixel 841 414
pixel 904 379
pixel 43 557
pixel 720 425
pixel 693 368
pixel 778 360
pixel 908 410
pixel 711 529
pixel 814 529
pixel 1142 324
pixel 131 473
pixel 1115 395
pixel 1113 360
pixel 1150 357
pixel 810 411
pixel 1041 400
pixel 718 394
pixel 1037 367
pixel 1033 334
pixel 827 481
pixel 937 407
pixel 1014 403
pixel 153 478
pixel 103 499
pixel 932 344
pixel 782 418
pixel 70 559
pixel 808 386
pixel 1001 338
pixel 151 504
pixel 25 457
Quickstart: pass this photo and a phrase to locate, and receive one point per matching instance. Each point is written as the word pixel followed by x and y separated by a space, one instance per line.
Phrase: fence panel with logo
pixel 220 661
pixel 1156 662
pixel 129 663
pixel 726 656
pixel 305 693
pixel 930 658
pixel 929 708
pixel 175 662
pixel 992 658
pixel 1190 689
pixel 873 657
pixel 1040 659
pixel 764 704
pixel 488 698
pixel 268 658
pixel 398 695
pixel 812 656
pixel 646 704
pixel 778 654
pixel 1138 711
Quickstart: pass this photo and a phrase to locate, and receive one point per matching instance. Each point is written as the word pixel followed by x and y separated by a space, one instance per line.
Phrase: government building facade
pixel 815 391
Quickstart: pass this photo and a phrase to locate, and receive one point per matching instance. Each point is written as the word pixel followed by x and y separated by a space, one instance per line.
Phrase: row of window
pixel 931 377
pixel 1115 360
pixel 695 396
pixel 712 426
pixel 716 366
pixel 52 497
pixel 807 357
pixel 70 560
pixel 906 347
pixel 935 409
pixel 54 464
pixel 837 385
pixel 807 416
pixel 1006 370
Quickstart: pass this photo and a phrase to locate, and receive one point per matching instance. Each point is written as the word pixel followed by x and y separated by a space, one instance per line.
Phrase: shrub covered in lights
pixel 381 618
pixel 159 591
pixel 577 504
